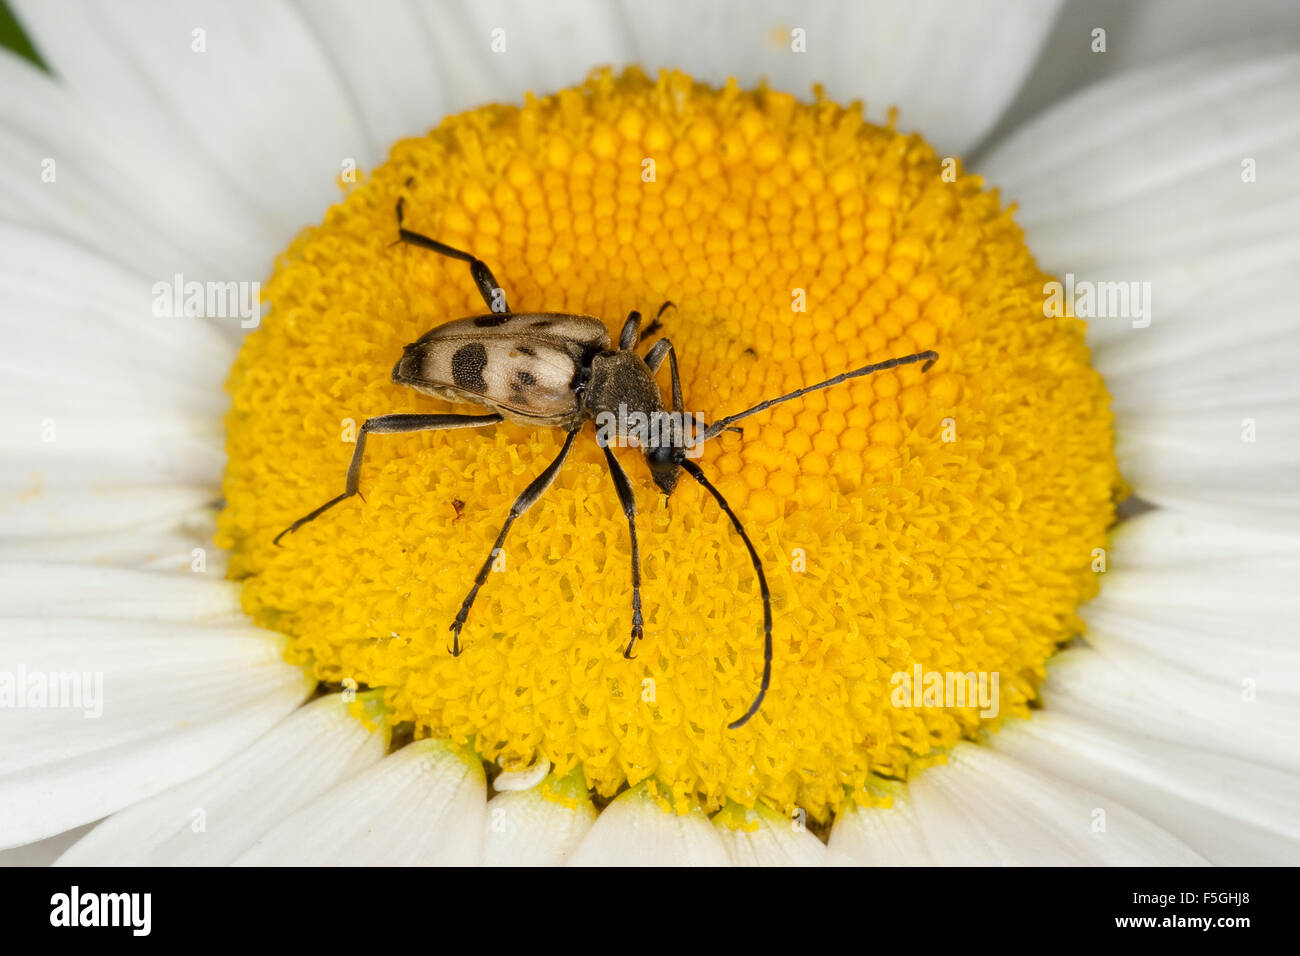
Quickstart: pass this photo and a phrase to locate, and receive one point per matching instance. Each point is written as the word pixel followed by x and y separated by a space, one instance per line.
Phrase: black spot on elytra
pixel 491 321
pixel 467 365
pixel 525 350
pixel 751 352
pixel 525 378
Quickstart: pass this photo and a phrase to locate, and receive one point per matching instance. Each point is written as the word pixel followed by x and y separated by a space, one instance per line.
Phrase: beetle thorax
pixel 623 401
pixel 620 384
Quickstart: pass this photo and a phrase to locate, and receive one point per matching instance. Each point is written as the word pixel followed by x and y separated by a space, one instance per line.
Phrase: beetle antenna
pixel 928 357
pixel 694 471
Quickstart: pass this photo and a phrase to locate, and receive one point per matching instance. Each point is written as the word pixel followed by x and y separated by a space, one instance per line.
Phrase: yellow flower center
pixel 910 523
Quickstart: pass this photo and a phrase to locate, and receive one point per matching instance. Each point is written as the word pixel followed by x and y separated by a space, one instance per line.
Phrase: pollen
pixel 911 523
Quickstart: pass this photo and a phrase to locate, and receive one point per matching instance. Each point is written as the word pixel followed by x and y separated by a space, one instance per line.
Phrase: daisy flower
pixel 1031 605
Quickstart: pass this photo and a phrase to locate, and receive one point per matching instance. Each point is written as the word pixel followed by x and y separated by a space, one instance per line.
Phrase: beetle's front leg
pixel 388 424
pixel 626 499
pixel 655 358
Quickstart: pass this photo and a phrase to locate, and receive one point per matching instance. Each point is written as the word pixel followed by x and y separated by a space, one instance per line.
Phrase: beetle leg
pixel 388 424
pixel 492 293
pixel 526 500
pixel 655 358
pixel 627 339
pixel 625 498
pixel 655 324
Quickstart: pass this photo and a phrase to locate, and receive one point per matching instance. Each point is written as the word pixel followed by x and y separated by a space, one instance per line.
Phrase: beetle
pixel 559 370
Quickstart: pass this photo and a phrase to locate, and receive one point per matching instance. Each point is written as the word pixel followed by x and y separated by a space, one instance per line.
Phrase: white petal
pixel 92 383
pixel 1134 691
pixel 1208 410
pixel 409 65
pixel 1165 540
pixel 212 819
pixel 774 840
pixel 64 512
pixel 146 527
pixel 155 703
pixel 532 828
pixel 585 34
pixel 260 106
pixel 423 806
pixel 951 69
pixel 983 808
pixel 635 831
pixel 1233 812
pixel 181 541
pixel 1137 35
pixel 1204 596
pixel 32 590
pixel 879 837
pixel 43 852
pixel 137 190
pixel 81 333
pixel 109 449
pixel 1220 254
pixel 386 59
pixel 522 779
pixel 1066 164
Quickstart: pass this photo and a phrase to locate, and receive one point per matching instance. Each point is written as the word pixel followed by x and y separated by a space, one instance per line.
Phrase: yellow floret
pixel 945 519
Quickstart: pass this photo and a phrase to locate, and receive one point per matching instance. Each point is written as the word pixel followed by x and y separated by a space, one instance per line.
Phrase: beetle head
pixel 665 463
pixel 666 451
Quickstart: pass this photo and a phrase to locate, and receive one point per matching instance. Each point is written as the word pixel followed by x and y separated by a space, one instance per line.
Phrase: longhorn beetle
pixel 558 369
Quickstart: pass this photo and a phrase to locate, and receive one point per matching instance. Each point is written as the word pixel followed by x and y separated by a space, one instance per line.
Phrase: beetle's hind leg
pixel 625 498
pixel 488 287
pixel 388 424
pixel 526 500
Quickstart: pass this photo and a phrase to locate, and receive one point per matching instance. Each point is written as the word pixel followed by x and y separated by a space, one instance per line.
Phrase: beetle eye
pixel 661 455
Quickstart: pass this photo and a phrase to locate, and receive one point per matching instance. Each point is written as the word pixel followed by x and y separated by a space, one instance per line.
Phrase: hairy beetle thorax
pixel 620 385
